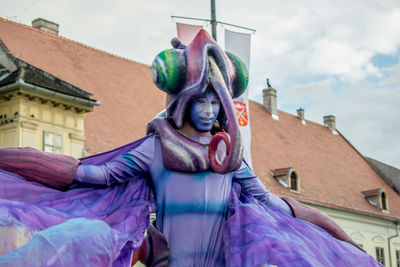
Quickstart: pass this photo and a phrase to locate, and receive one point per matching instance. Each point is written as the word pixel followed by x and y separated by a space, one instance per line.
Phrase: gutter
pixel 351 211
pixel 396 223
pixel 49 93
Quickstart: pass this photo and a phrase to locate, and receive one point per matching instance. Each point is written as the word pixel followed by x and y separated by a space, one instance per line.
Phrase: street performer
pixel 211 209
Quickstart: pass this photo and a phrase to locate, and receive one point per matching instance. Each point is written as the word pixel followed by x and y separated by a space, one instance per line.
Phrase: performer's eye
pixel 241 78
pixel 215 102
pixel 168 70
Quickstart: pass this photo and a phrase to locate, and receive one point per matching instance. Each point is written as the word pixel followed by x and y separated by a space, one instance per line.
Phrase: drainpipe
pixel 396 223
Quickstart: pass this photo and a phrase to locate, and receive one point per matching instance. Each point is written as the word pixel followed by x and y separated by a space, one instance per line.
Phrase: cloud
pixel 303 94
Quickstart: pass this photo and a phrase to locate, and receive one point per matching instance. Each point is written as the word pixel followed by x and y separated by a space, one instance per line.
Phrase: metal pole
pixel 396 223
pixel 213 20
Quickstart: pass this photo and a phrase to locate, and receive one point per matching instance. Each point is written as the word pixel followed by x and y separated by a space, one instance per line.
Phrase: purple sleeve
pixel 250 184
pixel 126 166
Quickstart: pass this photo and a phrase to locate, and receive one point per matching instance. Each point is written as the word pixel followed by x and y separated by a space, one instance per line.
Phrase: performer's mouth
pixel 206 119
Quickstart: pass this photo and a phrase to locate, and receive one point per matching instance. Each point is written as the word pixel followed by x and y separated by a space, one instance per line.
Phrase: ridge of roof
pixel 289 114
pixel 52 35
pixel 366 160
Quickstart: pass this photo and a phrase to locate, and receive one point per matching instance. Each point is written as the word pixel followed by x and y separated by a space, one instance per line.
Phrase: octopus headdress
pixel 187 72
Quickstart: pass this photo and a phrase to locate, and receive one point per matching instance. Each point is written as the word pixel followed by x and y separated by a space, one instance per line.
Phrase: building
pixel 310 162
pixel 40 110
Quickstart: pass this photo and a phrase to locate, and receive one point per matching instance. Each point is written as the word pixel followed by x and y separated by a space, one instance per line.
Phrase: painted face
pixel 204 111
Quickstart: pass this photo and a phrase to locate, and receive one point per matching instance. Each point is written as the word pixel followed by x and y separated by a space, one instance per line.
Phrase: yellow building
pixel 39 110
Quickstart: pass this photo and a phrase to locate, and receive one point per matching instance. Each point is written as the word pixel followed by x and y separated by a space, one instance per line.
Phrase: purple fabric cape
pixel 102 227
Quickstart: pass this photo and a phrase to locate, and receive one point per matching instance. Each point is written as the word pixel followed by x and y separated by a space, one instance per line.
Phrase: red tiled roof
pixel 331 172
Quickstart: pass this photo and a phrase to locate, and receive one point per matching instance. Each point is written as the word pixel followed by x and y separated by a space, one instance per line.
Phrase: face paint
pixel 204 111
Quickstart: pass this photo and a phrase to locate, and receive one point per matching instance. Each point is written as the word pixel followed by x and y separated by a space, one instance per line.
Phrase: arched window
pixel 287 177
pixel 293 181
pixel 383 201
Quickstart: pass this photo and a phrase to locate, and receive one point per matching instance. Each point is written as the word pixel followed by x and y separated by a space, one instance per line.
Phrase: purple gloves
pixel 53 170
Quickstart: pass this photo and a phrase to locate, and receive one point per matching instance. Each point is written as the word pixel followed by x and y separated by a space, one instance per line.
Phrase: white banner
pixel 239 44
pixel 187 32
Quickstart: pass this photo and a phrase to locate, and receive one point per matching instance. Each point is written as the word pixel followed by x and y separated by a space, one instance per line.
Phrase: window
pixel 377 197
pixel 52 143
pixel 293 181
pixel 287 177
pixel 380 257
pixel 383 200
pixel 398 258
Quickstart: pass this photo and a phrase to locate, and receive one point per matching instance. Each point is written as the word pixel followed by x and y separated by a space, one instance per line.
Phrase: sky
pixel 329 57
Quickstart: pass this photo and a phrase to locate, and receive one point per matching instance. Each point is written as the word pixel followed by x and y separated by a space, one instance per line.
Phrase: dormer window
pixel 376 197
pixel 293 181
pixel 287 177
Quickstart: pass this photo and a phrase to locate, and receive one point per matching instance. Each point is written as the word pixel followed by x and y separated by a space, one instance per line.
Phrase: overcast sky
pixel 328 57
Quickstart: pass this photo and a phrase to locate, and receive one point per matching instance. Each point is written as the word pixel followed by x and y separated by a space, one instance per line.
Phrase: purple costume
pixel 211 207
pixel 192 207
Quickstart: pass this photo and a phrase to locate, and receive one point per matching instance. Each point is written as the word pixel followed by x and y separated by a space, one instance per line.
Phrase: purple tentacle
pixel 234 146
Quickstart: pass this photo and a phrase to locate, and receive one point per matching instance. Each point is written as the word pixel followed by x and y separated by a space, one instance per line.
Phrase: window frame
pixel 54 148
pixel 384 200
pixel 380 255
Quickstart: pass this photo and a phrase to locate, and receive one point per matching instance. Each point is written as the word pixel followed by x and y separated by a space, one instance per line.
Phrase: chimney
pixel 45 25
pixel 330 121
pixel 269 95
pixel 300 115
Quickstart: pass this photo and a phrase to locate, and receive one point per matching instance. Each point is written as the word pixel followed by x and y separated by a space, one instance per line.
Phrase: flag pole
pixel 213 21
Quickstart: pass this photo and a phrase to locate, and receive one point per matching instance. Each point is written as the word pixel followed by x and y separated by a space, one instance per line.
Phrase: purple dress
pixel 209 219
pixel 192 207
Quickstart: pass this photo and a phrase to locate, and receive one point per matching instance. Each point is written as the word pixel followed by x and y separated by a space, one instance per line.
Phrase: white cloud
pixel 302 93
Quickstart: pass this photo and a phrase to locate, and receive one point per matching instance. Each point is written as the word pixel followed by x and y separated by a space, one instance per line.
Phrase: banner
pixel 187 32
pixel 239 44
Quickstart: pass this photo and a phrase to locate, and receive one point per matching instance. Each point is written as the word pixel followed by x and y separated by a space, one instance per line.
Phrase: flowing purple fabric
pixel 27 208
pixel 255 235
pixel 102 226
